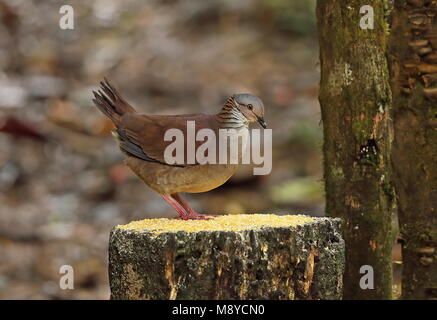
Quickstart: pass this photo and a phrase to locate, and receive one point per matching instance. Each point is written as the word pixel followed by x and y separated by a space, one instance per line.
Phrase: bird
pixel 141 139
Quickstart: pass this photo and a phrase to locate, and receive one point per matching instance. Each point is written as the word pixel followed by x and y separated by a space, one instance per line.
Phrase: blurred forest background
pixel 62 182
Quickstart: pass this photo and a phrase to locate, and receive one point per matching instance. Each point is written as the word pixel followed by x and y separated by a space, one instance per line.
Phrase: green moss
pixel 337 173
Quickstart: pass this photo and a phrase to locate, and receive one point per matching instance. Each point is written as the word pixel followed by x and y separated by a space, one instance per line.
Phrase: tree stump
pixel 259 256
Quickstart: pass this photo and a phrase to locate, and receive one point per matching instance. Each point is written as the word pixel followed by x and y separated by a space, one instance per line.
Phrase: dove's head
pixel 251 107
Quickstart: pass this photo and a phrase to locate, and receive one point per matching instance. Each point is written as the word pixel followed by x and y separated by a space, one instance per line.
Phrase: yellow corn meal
pixel 236 222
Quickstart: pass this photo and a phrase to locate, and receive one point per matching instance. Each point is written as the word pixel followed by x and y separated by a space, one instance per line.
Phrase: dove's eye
pixel 250 107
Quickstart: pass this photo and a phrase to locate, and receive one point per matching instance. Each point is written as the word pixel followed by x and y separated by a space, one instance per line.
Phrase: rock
pixel 256 256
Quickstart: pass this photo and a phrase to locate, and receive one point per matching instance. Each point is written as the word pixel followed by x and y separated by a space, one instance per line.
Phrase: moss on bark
pixel 355 100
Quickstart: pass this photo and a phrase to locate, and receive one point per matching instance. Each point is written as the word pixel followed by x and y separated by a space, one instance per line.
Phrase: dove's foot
pixel 190 213
pixel 183 209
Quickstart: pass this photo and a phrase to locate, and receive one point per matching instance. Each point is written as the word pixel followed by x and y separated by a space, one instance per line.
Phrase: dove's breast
pixel 167 179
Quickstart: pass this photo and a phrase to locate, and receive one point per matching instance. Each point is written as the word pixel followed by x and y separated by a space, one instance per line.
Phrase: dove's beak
pixel 262 122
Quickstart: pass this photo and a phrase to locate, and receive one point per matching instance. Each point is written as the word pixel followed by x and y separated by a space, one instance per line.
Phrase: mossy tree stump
pixel 229 257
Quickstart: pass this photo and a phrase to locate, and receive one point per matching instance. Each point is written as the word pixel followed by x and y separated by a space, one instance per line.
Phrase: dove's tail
pixel 110 102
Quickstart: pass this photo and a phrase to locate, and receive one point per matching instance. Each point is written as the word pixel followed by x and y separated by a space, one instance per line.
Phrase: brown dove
pixel 141 139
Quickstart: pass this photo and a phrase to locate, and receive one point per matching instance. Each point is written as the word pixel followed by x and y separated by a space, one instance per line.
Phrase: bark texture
pixel 355 101
pixel 413 57
pixel 302 262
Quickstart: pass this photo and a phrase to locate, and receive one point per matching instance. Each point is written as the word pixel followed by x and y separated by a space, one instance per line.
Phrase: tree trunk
pixel 355 100
pixel 227 259
pixel 413 57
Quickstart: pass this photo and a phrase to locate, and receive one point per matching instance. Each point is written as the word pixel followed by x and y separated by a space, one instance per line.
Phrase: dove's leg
pixel 182 213
pixel 191 213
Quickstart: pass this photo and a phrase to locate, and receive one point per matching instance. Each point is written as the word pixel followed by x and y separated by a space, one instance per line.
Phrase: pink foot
pixel 190 213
